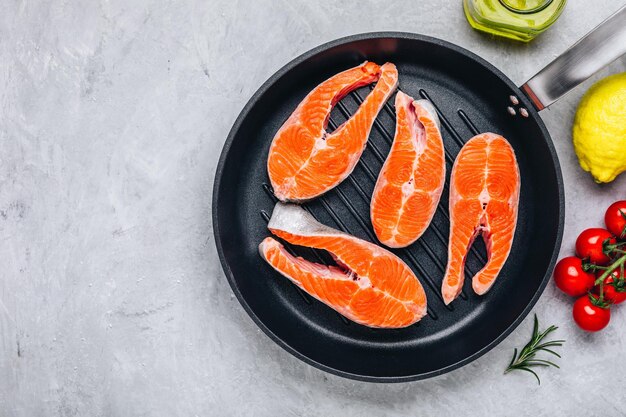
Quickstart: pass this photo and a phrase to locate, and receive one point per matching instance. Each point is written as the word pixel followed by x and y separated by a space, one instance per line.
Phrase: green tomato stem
pixel 619 263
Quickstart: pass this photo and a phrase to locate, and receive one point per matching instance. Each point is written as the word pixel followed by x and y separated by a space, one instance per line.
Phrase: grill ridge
pixel 468 121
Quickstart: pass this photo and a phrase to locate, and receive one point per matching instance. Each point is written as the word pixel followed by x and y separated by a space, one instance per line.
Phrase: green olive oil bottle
pixel 521 20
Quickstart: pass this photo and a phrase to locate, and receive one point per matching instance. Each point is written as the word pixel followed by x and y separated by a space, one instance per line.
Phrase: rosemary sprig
pixel 526 358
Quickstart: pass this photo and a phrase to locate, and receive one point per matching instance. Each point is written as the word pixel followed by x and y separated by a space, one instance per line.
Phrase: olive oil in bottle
pixel 521 20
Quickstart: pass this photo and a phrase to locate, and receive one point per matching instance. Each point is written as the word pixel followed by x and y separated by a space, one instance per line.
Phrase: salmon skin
pixel 369 285
pixel 411 180
pixel 484 197
pixel 304 160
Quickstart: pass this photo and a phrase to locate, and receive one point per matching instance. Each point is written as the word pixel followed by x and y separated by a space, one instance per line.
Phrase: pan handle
pixel 598 48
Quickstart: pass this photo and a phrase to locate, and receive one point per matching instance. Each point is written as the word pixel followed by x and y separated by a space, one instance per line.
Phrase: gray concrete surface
pixel 112 299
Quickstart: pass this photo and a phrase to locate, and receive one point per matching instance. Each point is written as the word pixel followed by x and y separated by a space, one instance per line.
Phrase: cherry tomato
pixel 615 219
pixel 614 293
pixel 570 277
pixel 590 245
pixel 589 316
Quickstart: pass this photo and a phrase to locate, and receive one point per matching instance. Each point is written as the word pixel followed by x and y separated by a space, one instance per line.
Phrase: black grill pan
pixel 471 96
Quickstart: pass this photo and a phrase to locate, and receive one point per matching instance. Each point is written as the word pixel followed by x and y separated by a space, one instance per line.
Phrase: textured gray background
pixel 112 299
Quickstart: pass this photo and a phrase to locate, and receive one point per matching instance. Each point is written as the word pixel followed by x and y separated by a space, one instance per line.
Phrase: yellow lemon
pixel 599 131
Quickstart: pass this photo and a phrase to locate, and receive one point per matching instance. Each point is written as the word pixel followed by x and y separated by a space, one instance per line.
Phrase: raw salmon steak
pixel 304 159
pixel 369 285
pixel 411 180
pixel 484 195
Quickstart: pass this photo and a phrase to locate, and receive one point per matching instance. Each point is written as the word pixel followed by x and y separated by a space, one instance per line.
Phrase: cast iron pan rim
pixel 267 85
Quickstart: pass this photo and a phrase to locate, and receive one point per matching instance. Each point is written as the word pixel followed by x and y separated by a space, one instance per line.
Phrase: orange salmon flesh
pixel 411 180
pixel 369 285
pixel 305 161
pixel 484 197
